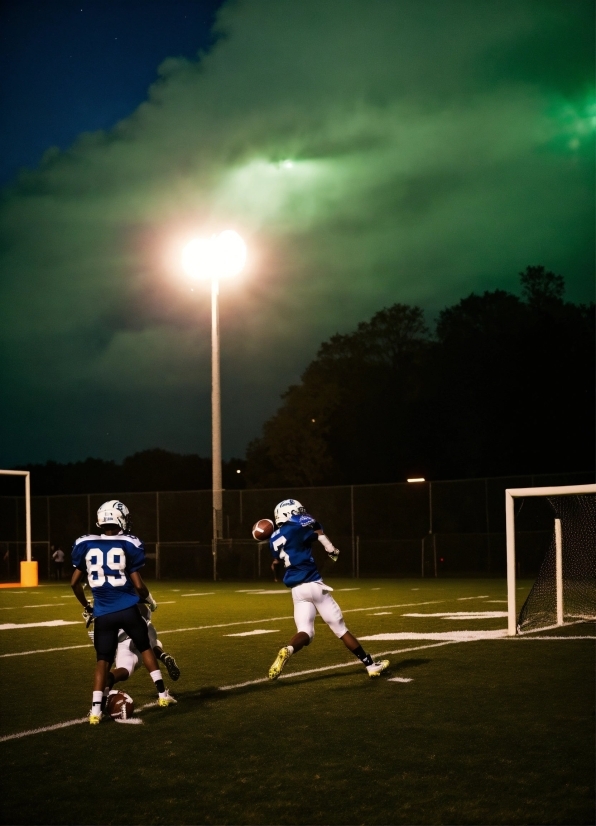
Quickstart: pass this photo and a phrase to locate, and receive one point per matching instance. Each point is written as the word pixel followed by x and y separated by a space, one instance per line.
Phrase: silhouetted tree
pixel 505 386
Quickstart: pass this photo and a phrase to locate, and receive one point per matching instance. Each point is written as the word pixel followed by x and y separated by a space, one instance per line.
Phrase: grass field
pixel 483 731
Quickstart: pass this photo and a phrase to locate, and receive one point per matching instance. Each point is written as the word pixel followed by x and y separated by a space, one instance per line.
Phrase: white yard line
pixel 45 605
pixel 254 633
pixel 81 720
pixel 463 599
pixel 45 650
pixel 13 626
pixel 399 680
pixel 204 594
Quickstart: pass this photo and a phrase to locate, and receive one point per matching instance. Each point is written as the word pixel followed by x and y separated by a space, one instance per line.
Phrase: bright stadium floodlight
pixel 216 257
pixel 416 479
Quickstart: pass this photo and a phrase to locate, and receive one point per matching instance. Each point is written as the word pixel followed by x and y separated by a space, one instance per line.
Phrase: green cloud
pixel 369 153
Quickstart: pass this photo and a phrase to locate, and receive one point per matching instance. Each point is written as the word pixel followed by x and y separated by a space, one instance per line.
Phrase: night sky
pixel 369 153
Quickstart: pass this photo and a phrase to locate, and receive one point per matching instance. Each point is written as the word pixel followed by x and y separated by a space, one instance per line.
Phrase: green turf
pixel 486 732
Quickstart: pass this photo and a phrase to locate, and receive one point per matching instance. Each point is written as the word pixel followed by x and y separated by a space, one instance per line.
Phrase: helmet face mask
pixel 114 513
pixel 286 509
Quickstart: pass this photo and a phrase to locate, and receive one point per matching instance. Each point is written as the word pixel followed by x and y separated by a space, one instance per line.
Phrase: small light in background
pixel 417 479
pixel 238 471
pixel 312 420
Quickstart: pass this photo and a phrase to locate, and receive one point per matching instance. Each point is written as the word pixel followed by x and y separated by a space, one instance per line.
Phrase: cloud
pixel 369 153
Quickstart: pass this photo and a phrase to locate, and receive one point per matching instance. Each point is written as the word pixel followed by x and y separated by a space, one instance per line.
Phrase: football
pixel 262 529
pixel 120 706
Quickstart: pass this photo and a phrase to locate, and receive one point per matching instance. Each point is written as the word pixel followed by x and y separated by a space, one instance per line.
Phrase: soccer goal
pixel 565 589
pixel 29 572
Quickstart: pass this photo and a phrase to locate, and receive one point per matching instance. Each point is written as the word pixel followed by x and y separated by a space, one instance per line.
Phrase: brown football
pixel 262 529
pixel 120 706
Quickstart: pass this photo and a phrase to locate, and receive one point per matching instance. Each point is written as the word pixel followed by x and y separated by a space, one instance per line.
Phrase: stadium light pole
pixel 216 257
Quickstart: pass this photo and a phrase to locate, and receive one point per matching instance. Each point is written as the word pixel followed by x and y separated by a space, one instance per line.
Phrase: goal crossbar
pixel 515 493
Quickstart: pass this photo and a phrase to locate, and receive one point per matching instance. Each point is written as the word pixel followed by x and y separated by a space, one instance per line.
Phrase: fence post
pixel 157 560
pixel 422 558
pixel 352 529
pixel 357 557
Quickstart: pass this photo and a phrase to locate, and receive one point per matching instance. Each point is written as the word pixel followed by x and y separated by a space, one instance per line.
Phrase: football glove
pixel 88 615
pixel 151 603
pixel 334 554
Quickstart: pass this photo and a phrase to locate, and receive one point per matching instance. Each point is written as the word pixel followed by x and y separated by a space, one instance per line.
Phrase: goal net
pixel 565 589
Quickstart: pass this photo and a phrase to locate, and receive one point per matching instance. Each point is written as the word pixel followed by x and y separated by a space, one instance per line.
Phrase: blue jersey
pixel 291 543
pixel 108 562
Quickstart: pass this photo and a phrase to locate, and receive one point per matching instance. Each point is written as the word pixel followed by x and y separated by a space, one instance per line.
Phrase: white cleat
pixel 168 700
pixel 376 669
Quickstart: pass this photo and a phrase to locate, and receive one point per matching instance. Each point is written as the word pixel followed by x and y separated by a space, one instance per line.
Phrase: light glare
pixel 220 255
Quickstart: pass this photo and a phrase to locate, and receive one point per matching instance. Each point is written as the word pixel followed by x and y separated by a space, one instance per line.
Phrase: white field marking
pixel 399 680
pixel 45 650
pixel 550 627
pixel 349 589
pixel 254 633
pixel 381 614
pixel 11 626
pixel 497 600
pixel 171 602
pixel 130 721
pixel 452 636
pixel 45 605
pixel 462 615
pixel 561 637
pixel 203 594
pixel 375 589
pixel 219 625
pixel 266 680
pixel 284 591
pixel 330 667
pixel 175 589
pixel 249 591
pixel 415 589
pixel 463 599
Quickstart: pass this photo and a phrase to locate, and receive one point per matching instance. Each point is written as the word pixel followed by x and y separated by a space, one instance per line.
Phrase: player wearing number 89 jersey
pixel 108 562
pixel 111 560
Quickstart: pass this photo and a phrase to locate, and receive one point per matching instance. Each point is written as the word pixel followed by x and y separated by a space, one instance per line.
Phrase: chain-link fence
pixel 390 530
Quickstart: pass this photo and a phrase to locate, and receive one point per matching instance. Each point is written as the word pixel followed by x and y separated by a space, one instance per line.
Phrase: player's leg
pixel 136 628
pixel 332 615
pixel 168 660
pixel 105 641
pixel 304 617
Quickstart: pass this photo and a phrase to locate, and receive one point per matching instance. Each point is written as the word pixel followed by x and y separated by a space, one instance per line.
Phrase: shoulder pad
pixel 86 536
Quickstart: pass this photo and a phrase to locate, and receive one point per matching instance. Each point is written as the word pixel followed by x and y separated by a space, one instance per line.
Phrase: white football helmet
pixel 113 513
pixel 286 509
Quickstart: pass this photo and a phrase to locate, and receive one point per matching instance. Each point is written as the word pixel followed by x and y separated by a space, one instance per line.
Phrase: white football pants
pixel 311 597
pixel 127 654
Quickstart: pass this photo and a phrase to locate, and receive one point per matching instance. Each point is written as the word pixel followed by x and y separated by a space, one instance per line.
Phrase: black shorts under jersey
pixel 107 626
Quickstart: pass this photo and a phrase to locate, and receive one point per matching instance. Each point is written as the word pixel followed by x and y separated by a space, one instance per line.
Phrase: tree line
pixel 503 385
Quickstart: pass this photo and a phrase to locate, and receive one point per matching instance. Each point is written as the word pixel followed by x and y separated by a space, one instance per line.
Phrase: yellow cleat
pixel 278 666
pixel 95 719
pixel 168 700
pixel 376 669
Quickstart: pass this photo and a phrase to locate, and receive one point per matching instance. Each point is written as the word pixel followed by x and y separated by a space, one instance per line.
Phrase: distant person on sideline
pixel 58 557
pixel 291 543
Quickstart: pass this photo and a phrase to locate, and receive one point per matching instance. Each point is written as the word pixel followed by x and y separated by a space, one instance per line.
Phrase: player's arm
pixel 77 587
pixel 142 590
pixel 332 551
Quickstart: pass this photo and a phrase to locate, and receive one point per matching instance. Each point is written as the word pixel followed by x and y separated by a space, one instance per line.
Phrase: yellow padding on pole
pixel 29 577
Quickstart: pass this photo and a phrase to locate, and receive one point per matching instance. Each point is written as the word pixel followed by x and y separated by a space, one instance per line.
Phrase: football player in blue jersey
pixel 291 543
pixel 111 561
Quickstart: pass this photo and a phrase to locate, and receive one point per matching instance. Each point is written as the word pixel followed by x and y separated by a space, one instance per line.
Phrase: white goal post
pixel 27 476
pixel 515 493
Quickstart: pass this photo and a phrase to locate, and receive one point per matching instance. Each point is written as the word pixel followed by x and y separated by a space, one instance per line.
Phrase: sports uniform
pixel 111 560
pixel 108 562
pixel 291 543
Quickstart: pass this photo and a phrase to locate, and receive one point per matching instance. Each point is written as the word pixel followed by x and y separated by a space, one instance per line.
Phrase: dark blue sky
pixel 69 67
